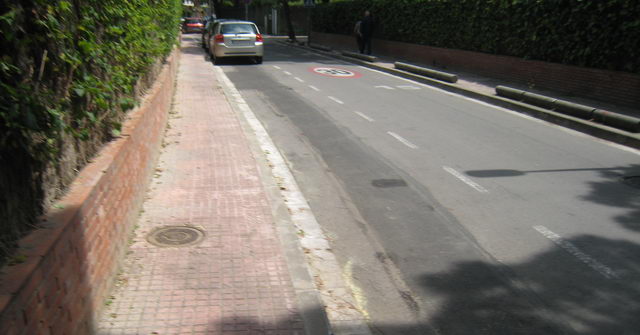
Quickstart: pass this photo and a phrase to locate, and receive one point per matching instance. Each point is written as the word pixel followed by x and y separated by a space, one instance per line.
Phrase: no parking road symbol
pixel 335 72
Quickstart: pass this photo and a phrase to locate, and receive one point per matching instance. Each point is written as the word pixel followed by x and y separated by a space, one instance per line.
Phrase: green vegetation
pixel 599 34
pixel 68 72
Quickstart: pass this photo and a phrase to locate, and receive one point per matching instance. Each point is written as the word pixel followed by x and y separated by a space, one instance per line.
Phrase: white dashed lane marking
pixel 336 100
pixel 314 88
pixel 287 73
pixel 403 140
pixel 364 116
pixel 276 67
pixel 385 87
pixel 298 79
pixel 577 253
pixel 465 179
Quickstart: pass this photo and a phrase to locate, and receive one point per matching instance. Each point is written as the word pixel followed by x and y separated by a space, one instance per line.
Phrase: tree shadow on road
pixel 610 193
pixel 550 293
pixel 618 187
pixel 582 301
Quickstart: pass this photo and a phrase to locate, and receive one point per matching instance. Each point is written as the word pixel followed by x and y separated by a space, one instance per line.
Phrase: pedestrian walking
pixel 367 26
pixel 358 33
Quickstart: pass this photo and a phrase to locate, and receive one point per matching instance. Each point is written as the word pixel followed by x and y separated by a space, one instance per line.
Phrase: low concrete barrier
pixel 624 122
pixel 509 92
pixel 367 58
pixel 539 100
pixel 577 110
pixel 616 120
pixel 448 77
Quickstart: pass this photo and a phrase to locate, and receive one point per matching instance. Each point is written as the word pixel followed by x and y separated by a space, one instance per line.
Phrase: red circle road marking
pixel 335 72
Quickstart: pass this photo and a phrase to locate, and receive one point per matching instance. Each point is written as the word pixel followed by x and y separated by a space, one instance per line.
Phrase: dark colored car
pixel 192 25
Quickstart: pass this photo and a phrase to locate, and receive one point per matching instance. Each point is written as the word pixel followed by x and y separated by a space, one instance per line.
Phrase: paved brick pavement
pixel 234 282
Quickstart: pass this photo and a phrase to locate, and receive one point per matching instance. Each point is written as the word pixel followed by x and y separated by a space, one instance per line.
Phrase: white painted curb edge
pixel 342 310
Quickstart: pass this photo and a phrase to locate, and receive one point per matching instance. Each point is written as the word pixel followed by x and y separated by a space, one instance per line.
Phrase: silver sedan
pixel 236 39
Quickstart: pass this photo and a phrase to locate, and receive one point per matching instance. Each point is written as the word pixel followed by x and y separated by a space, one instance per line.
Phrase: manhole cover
pixel 384 183
pixel 175 236
pixel 633 181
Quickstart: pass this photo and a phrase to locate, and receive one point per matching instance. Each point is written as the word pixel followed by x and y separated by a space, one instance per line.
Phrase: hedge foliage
pixel 590 33
pixel 90 52
pixel 68 69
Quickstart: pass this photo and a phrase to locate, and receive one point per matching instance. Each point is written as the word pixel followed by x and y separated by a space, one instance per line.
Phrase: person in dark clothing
pixel 366 31
pixel 358 33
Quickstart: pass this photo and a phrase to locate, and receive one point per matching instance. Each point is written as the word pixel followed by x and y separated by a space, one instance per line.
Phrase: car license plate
pixel 241 42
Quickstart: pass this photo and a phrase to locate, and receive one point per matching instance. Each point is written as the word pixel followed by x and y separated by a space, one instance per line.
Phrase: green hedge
pixel 590 33
pixel 68 69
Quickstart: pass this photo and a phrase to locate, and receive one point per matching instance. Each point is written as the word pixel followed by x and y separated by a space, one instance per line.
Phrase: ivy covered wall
pixel 69 70
pixel 589 33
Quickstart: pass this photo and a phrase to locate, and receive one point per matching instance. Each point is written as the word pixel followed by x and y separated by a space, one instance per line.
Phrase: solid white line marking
pixel 403 140
pixel 298 79
pixel 385 87
pixel 569 247
pixel 277 67
pixel 314 88
pixel 336 100
pixel 364 117
pixel 465 180
pixel 287 73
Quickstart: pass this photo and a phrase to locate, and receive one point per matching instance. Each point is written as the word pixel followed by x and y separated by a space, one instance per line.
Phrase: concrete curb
pixel 448 77
pixel 367 58
pixel 319 47
pixel 588 127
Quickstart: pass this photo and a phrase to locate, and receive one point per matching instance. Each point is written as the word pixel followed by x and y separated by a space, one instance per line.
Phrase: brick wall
pixel 609 86
pixel 70 263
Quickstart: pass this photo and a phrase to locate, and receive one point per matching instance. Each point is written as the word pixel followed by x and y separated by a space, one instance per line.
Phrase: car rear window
pixel 238 28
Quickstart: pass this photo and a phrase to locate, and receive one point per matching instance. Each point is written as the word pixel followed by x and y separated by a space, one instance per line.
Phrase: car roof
pixel 236 21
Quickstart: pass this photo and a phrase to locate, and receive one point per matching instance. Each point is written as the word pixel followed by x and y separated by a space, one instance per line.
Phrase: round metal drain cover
pixel 175 236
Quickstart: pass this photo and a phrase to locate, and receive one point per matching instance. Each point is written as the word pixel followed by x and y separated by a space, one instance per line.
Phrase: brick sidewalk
pixel 235 281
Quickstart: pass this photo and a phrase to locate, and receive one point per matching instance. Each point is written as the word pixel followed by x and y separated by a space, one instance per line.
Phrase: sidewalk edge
pixel 288 217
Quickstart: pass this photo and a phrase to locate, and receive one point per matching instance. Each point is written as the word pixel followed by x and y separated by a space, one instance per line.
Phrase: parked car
pixel 192 25
pixel 208 29
pixel 234 38
pixel 205 33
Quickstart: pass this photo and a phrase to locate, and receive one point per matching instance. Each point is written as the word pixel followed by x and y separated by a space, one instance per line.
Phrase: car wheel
pixel 259 60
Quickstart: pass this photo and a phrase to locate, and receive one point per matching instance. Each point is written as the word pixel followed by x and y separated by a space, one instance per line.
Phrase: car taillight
pixel 259 38
pixel 218 38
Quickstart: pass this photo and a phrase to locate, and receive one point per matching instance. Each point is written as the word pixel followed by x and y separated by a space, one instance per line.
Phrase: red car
pixel 192 25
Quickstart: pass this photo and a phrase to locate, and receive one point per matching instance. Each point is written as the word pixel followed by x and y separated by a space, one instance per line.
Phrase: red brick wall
pixel 610 86
pixel 61 286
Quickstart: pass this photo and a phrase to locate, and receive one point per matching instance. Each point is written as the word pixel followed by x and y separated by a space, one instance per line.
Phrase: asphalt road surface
pixel 452 216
